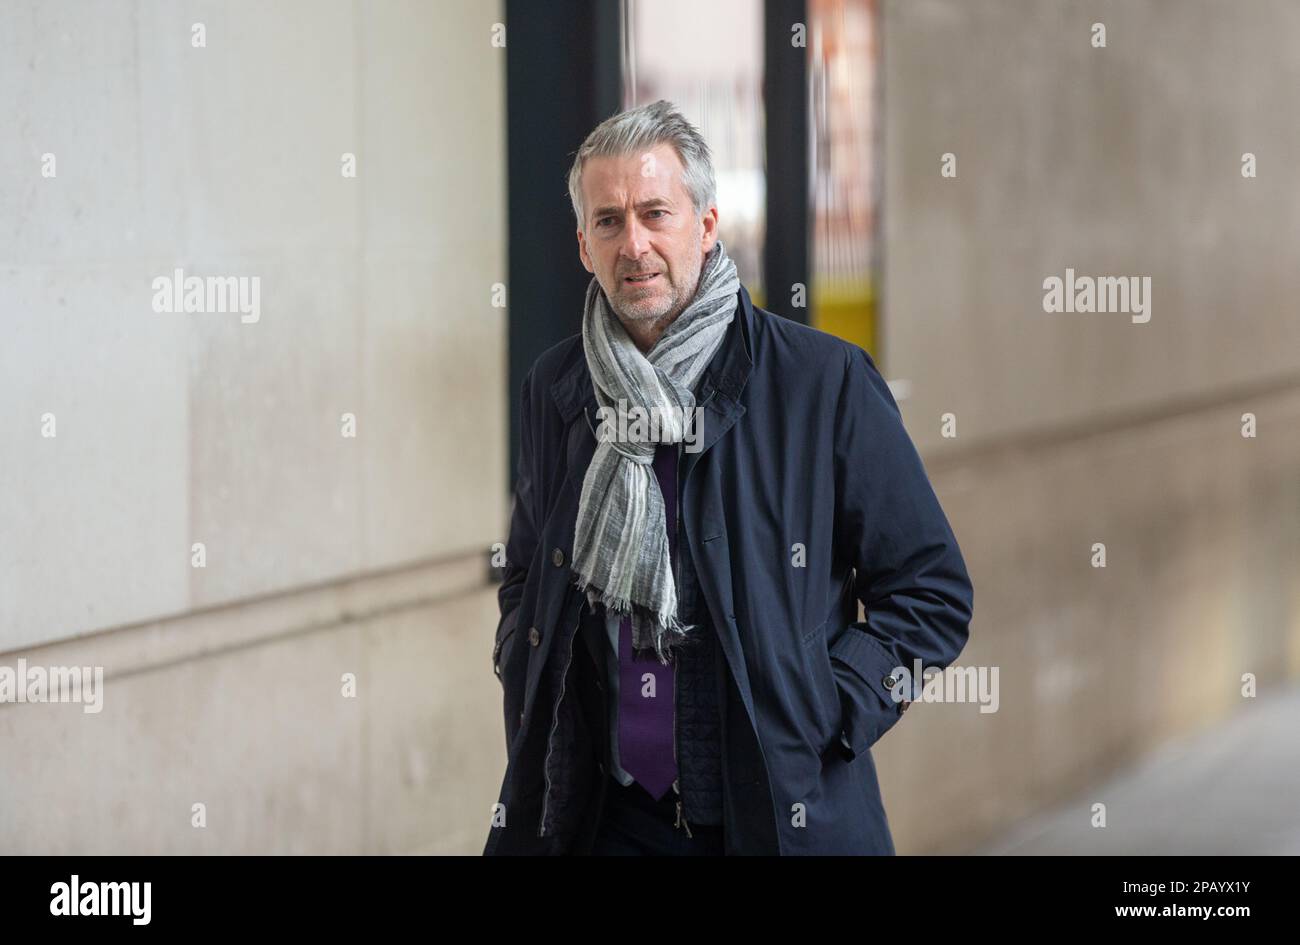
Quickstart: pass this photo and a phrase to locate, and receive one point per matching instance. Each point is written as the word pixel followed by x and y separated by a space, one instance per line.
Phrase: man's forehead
pixel 654 172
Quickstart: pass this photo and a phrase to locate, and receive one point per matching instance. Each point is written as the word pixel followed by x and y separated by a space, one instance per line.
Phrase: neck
pixel 645 334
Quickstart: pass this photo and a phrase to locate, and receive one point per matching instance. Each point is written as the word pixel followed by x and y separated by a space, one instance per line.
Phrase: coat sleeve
pixel 909 572
pixel 521 544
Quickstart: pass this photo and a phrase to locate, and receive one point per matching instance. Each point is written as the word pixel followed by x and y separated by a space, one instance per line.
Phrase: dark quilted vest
pixel 699 719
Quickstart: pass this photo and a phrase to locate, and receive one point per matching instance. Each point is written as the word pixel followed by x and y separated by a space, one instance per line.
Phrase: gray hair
pixel 639 129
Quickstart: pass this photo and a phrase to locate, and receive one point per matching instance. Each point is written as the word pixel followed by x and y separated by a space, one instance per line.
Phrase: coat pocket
pixel 817 656
pixel 865 676
pixel 511 676
pixel 505 633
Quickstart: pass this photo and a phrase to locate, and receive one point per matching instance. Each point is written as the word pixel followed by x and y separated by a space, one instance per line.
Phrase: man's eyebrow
pixel 652 203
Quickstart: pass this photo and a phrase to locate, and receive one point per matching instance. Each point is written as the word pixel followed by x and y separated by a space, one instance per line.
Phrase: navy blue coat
pixel 803 446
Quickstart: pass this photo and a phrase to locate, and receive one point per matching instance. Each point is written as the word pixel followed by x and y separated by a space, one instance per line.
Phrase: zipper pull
pixel 681 820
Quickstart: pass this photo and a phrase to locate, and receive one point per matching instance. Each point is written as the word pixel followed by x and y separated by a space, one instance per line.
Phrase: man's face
pixel 641 237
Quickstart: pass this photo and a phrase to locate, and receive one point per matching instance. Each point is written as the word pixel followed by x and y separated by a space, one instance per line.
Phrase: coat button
pixel 521 717
pixel 890 681
pixel 600 766
pixel 533 636
pixel 557 557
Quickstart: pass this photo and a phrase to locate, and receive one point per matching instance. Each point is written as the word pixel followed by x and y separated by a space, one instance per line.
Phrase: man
pixel 681 663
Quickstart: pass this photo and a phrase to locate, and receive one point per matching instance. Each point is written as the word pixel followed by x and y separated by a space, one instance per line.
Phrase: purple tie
pixel 645 715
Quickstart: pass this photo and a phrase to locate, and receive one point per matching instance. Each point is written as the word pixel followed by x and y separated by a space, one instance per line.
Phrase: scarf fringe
pixel 667 631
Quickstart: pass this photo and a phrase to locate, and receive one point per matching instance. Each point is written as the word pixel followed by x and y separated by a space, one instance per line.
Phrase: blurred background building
pixel 414 295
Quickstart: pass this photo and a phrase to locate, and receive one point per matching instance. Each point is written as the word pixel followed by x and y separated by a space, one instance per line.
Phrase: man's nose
pixel 634 244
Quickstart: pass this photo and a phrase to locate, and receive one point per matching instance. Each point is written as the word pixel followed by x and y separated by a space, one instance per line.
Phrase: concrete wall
pixel 1118 161
pixel 223 683
pixel 375 296
pixel 239 709
pixel 1081 428
pixel 1099 666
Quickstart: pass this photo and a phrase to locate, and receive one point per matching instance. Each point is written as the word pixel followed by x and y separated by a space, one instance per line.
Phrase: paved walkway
pixel 1231 789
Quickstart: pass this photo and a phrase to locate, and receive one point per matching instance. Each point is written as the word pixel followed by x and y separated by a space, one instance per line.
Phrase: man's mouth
pixel 640 278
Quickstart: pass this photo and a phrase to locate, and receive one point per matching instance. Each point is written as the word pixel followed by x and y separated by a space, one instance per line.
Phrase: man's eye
pixel 659 211
pixel 602 220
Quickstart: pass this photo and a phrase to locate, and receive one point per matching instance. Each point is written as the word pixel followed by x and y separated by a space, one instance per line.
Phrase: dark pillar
pixel 563 66
pixel 786 251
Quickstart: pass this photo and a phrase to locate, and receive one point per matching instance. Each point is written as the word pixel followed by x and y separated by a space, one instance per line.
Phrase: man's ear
pixel 584 255
pixel 710 225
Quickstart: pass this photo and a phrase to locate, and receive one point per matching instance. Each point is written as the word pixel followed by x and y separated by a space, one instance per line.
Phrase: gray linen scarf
pixel 620 546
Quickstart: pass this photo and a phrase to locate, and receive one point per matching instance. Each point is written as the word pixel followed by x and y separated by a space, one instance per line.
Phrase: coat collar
pixel 727 372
